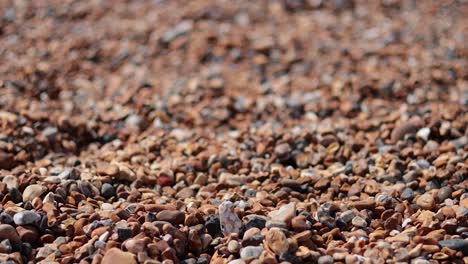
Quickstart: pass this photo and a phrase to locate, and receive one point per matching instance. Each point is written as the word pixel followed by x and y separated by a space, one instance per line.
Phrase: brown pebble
pixel 117 256
pixel 426 201
pixel 276 240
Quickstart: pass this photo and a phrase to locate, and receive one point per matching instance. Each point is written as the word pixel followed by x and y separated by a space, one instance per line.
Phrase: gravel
pixel 260 132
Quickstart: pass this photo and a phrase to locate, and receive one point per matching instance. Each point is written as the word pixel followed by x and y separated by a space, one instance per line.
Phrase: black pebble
pixel 213 225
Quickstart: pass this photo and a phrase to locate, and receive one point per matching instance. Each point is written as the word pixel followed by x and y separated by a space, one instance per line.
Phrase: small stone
pixel 28 234
pixel 172 216
pixel 9 232
pixel 33 191
pixel 124 233
pixel 5 246
pixel 407 194
pixel 285 213
pixel 276 240
pixel 359 222
pixel 251 252
pixel 257 221
pixel 402 254
pixel 366 204
pixel 456 244
pixel 11 181
pixel 426 201
pixel 117 256
pixel 233 247
pixel 299 223
pixel 15 195
pixel 26 218
pixel 185 193
pixel 252 237
pixel 283 151
pixel 7 160
pixel 464 203
pixel 213 225
pixel 236 261
pixel 108 169
pixel 107 190
pixel 347 216
pixel 6 218
pixel 325 260
pixel 135 245
pixel 409 127
pixel 423 133
pixel 230 222
pixel 444 193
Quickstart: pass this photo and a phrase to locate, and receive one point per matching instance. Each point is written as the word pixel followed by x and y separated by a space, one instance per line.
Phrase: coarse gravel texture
pixel 240 132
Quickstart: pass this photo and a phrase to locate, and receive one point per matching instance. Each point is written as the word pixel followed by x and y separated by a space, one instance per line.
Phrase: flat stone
pixel 117 256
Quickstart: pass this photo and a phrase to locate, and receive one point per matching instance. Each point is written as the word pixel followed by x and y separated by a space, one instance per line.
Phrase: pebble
pixel 117 256
pixel 251 252
pixel 124 233
pixel 26 218
pixel 407 194
pixel 409 127
pixel 444 193
pixel 276 240
pixel 171 216
pixel 257 221
pixel 33 191
pixel 423 133
pixel 347 216
pixel 325 260
pixel 456 244
pixel 284 214
pixel 213 225
pixel 426 201
pixel 173 141
pixel 233 246
pixel 299 223
pixel 11 181
pixel 28 234
pixel 107 190
pixel 9 232
pixel 359 222
pixel 230 222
